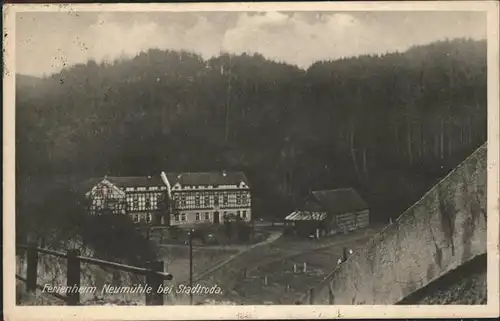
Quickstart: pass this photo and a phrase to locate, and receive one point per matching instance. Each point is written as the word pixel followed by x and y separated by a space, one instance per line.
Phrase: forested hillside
pixel 389 126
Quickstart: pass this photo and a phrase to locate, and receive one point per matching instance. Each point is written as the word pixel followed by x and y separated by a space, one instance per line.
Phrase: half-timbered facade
pixel 143 198
pixel 209 197
pixel 173 198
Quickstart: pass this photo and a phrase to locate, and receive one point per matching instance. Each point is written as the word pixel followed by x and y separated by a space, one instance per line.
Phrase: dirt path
pixel 276 282
pixel 272 238
pixel 279 256
pixel 207 259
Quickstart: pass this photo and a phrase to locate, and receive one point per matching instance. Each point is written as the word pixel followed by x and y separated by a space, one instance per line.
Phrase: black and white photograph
pixel 267 156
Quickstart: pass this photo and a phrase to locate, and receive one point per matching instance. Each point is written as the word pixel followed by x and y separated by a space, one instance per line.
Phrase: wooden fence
pixel 153 272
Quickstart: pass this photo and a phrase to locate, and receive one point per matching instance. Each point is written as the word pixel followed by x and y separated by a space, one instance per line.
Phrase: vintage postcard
pixel 251 161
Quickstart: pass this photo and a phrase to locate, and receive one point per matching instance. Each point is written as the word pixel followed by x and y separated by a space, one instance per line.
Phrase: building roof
pixel 207 178
pixel 340 200
pixel 87 185
pixel 306 216
pixel 135 181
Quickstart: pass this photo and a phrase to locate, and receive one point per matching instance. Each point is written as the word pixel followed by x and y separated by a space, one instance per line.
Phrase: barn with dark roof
pixel 329 212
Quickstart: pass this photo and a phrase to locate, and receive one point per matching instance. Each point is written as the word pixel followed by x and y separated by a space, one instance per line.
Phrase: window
pixel 148 218
pixel 197 216
pixel 142 201
pixel 225 199
pixel 244 215
pixel 183 217
pixel 197 200
pixel 159 201
pixel 238 199
pixel 207 201
pixel 238 213
pixel 135 218
pixel 207 216
pixel 216 200
pixel 148 203
pixel 177 217
pixel 183 200
pixel 136 203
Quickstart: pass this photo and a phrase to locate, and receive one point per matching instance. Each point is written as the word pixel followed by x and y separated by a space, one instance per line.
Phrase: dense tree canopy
pixel 388 125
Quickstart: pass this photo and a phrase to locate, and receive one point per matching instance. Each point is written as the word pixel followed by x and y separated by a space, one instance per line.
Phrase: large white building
pixel 209 197
pixel 184 198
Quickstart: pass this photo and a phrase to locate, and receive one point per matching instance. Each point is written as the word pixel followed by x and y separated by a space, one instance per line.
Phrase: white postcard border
pixel 217 312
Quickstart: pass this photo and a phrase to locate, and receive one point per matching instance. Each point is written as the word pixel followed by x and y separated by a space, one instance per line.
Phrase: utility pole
pixel 190 234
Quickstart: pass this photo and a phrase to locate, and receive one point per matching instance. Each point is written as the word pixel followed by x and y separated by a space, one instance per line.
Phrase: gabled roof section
pixel 87 185
pixel 207 178
pixel 122 182
pixel 135 181
pixel 340 200
pixel 115 191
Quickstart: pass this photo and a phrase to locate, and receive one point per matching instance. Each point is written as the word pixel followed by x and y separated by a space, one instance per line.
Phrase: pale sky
pixel 46 41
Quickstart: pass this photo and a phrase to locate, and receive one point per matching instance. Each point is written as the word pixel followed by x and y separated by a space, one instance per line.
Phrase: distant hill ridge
pixel 384 125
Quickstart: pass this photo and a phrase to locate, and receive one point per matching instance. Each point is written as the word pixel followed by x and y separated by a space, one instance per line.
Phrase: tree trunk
pixel 450 138
pixel 422 140
pixel 409 142
pixel 436 146
pixel 397 138
pixel 353 150
pixel 469 131
pixel 365 167
pixel 441 139
pixel 228 102
pixel 461 136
